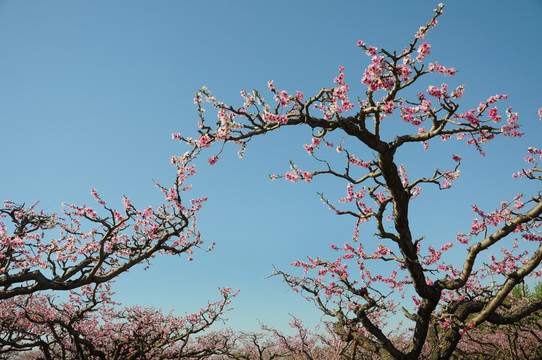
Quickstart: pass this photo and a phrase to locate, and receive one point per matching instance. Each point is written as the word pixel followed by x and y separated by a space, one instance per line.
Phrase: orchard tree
pixel 92 248
pixel 518 340
pixel 448 300
pixel 56 271
pixel 300 343
pixel 89 325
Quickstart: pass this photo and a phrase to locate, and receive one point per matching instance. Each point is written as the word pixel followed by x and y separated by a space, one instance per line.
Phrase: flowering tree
pixel 88 251
pixel 519 340
pixel 274 344
pixel 90 326
pixel 448 300
pixel 301 343
pixel 91 248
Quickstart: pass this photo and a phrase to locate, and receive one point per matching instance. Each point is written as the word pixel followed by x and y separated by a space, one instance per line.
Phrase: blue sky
pixel 91 91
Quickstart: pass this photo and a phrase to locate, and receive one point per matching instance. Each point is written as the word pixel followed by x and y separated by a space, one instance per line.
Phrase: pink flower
pixel 309 149
pixel 529 159
pixel 445 324
pixel 494 114
pixel 371 51
pixel 307 176
pixel 212 160
pixel 457 93
pixel 204 141
pixel 291 176
pixel 423 51
pixel 91 213
pixel 456 158
pixel 434 91
pixel 284 99
pixel 127 203
pixel 518 205
pixel 425 105
pixel 388 108
pixel 462 238
pixel 405 72
pixel 270 117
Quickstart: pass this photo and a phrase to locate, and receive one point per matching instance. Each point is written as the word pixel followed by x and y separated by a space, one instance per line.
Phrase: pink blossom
pixel 405 72
pixel 462 238
pixel 456 158
pixel 529 159
pixel 445 324
pixel 284 99
pixel 421 130
pixel 472 119
pixel 423 50
pixel 434 91
pixel 494 115
pixel 371 51
pixel 309 149
pixel 403 173
pixel 212 160
pixel 204 141
pixel 457 93
pixel 291 176
pixel 518 205
pixel 307 176
pixel 425 106
pixel 358 162
pixel 127 203
pixel 270 117
pixel 388 108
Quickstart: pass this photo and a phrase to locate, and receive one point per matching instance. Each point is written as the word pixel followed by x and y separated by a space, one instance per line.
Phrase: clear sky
pixel 90 92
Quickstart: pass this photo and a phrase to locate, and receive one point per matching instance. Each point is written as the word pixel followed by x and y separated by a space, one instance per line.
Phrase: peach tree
pixel 446 299
pixel 56 271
